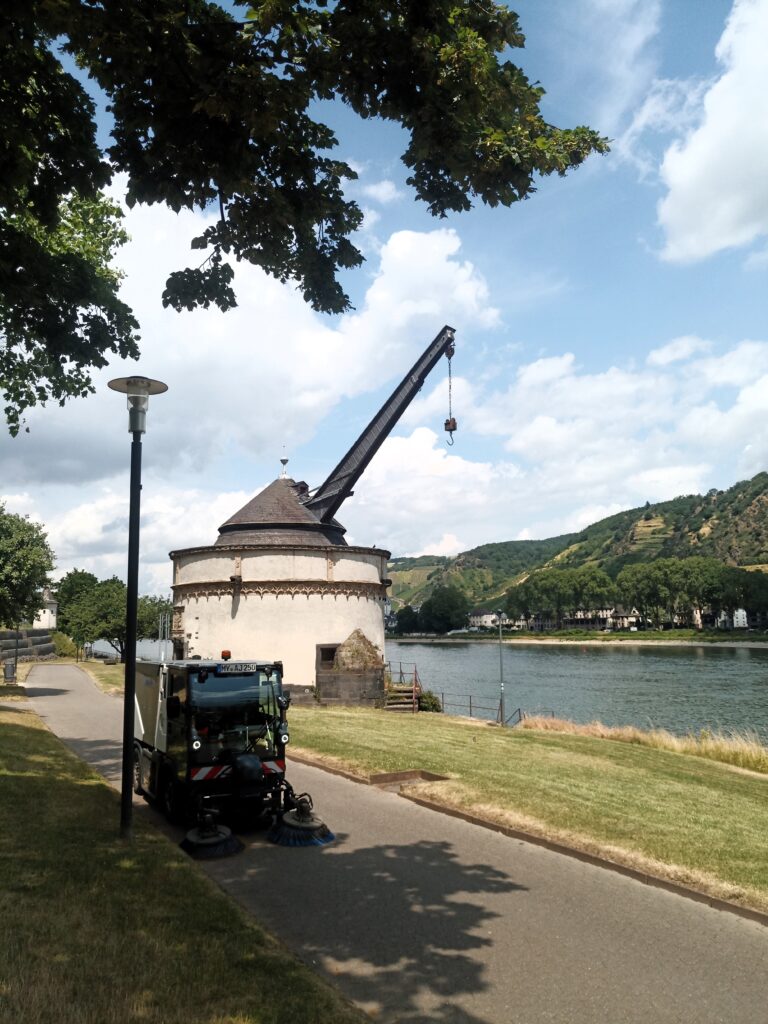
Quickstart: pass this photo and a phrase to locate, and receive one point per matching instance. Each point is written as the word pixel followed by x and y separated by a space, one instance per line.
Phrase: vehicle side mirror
pixel 173 707
pixel 284 701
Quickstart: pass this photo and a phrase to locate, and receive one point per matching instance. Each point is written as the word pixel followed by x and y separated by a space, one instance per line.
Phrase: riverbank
pixel 589 641
pixel 676 816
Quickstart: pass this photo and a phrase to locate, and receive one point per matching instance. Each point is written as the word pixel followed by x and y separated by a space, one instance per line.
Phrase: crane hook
pixel 450 423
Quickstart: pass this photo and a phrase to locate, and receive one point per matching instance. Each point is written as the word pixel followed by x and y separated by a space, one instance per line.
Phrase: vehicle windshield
pixel 234 710
pixel 221 687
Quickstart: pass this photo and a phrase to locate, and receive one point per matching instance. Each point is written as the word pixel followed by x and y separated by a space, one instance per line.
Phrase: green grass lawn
pixel 109 678
pixel 96 931
pixel 697 821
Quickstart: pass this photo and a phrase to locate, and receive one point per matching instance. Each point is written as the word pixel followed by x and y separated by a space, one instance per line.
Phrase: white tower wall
pixel 277 603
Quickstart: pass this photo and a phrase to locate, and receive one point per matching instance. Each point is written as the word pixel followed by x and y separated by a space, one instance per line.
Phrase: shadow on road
pixel 43 691
pixel 103 755
pixel 389 923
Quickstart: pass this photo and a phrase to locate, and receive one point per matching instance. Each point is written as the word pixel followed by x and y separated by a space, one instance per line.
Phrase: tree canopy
pixel 663 591
pixel 70 588
pixel 218 112
pixel 445 609
pixel 557 593
pixel 25 563
pixel 407 620
pixel 92 609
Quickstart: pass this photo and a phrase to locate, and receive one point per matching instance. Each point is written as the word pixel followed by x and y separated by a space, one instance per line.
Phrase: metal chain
pixel 450 423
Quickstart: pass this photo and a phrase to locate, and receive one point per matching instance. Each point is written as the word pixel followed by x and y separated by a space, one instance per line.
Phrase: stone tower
pixel 278 584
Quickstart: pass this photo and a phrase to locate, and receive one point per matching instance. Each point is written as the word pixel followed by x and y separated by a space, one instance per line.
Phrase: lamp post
pixel 501 674
pixel 138 389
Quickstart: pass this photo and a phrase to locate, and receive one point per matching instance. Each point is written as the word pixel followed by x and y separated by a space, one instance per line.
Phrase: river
pixel 682 689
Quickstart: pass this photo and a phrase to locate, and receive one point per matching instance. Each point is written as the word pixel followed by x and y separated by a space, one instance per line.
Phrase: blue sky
pixel 611 331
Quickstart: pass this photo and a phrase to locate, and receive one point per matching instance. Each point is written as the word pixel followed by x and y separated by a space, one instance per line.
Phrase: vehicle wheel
pixel 138 782
pixel 170 800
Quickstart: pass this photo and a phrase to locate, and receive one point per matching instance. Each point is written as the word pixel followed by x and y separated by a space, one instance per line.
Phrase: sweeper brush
pixel 300 826
pixel 209 840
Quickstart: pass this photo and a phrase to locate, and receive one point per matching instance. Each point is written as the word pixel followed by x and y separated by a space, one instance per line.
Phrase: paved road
pixel 420 917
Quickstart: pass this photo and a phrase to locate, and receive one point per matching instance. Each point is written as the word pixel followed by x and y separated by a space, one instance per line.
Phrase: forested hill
pixel 731 526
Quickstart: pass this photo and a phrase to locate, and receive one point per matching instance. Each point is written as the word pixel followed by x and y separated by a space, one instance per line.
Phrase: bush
pixel 429 701
pixel 64 645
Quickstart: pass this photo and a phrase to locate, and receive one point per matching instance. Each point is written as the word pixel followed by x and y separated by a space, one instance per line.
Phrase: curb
pixel 655 881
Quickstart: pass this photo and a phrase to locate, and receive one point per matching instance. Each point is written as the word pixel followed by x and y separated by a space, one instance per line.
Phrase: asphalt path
pixel 420 917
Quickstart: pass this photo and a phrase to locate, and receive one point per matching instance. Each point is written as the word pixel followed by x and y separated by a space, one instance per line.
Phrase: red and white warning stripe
pixel 274 767
pixel 211 771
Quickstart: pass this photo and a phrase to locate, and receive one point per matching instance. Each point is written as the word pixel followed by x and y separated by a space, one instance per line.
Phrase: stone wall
pixel 33 644
pixel 349 687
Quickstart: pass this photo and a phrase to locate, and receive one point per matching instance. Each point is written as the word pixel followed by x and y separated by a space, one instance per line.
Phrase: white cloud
pixel 434 405
pixel 609 62
pixel 579 446
pixel 737 432
pixel 22 504
pixel 93 534
pixel 757 260
pixel 545 371
pixel 717 175
pixel 259 377
pixel 586 445
pixel 384 191
pixel 414 481
pixel 662 482
pixel 449 544
pixel 628 26
pixel 737 367
pixel 677 350
pixel 588 514
pixel 669 107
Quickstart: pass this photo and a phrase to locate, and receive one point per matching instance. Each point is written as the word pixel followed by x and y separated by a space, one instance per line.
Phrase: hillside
pixel 730 525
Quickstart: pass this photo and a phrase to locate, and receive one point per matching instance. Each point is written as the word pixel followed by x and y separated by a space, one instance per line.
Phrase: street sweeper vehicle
pixel 209 746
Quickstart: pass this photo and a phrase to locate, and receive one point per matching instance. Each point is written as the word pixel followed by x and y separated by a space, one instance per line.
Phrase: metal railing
pixel 402 679
pixel 470 705
pixel 518 715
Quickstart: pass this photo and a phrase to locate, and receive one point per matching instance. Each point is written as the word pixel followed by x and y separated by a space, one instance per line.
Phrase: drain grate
pixel 409 777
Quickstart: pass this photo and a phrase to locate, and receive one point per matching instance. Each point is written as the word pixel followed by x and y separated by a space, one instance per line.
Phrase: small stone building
pixel 47 617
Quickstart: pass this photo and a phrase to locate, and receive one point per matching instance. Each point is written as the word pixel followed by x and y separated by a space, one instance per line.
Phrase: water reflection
pixel 676 688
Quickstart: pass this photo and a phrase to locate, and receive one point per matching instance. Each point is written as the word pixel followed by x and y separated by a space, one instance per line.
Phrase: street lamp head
pixel 138 389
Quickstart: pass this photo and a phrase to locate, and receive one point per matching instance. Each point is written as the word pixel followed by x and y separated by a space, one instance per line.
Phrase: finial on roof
pixel 283 471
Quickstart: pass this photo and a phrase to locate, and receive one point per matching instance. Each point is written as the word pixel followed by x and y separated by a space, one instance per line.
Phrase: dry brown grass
pixel 741 749
pixel 12 692
pixel 453 794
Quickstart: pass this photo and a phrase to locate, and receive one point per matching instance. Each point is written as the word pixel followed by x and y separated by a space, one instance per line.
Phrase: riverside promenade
pixel 420 917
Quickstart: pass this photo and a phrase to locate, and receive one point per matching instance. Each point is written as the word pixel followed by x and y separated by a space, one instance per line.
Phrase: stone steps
pixel 32 644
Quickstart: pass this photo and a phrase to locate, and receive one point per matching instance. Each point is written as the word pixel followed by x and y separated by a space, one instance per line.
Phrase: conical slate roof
pixel 276 515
